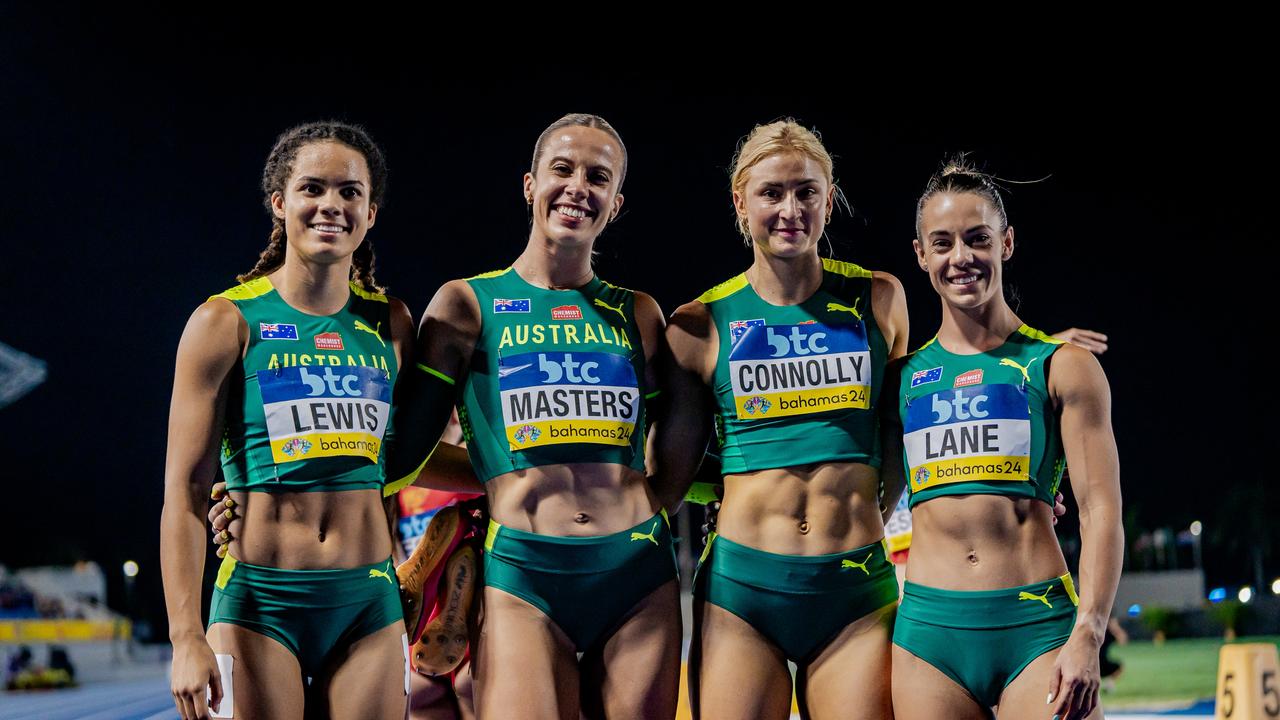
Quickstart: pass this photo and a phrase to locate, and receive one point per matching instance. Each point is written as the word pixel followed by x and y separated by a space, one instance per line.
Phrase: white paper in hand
pixel 227 707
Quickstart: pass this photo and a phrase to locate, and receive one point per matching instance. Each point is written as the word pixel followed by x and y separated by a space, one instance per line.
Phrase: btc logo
pixel 339 385
pixel 961 407
pixel 569 369
pixel 796 342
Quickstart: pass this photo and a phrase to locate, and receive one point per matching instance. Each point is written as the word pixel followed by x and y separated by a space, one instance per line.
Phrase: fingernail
pixel 1050 700
pixel 228 514
pixel 225 536
pixel 213 494
pixel 231 503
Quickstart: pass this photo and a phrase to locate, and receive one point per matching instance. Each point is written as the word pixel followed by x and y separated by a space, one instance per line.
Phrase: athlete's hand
pixel 708 527
pixel 1059 507
pixel 1091 340
pixel 713 511
pixel 195 669
pixel 1073 686
pixel 221 515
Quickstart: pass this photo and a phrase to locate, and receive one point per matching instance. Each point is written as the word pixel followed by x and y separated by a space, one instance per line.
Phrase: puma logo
pixel 372 331
pixel 1024 595
pixel 647 536
pixel 375 573
pixel 860 565
pixel 600 303
pixel 837 307
pixel 1022 369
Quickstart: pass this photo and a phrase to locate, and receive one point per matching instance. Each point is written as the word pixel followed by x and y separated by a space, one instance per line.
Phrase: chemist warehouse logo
pixel 568 397
pixel 325 412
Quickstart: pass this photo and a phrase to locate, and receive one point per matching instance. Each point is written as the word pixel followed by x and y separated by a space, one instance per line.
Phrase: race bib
pixel 568 397
pixel 980 432
pixel 780 370
pixel 898 530
pixel 325 411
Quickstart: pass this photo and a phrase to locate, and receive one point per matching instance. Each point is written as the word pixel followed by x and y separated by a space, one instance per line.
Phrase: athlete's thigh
pixel 739 673
pixel 636 672
pixel 523 664
pixel 266 679
pixel 431 698
pixel 368 679
pixel 1026 695
pixel 922 692
pixel 851 671
pixel 463 688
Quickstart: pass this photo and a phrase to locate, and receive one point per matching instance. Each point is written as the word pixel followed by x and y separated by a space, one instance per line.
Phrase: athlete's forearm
pixel 678 442
pixel 1091 452
pixel 419 419
pixel 893 479
pixel 182 567
pixel 449 469
pixel 1101 558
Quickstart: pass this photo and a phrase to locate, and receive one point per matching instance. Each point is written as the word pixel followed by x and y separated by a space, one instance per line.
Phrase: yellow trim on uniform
pixel 617 287
pixel 724 289
pixel 256 287
pixel 490 274
pixel 491 535
pixel 1037 335
pixel 706 549
pixel 932 340
pixel 1070 587
pixel 437 373
pixel 367 294
pixel 846 269
pixel 396 486
pixel 225 570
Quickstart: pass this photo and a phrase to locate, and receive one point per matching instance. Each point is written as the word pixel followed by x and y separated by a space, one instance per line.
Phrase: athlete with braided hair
pixel 286 379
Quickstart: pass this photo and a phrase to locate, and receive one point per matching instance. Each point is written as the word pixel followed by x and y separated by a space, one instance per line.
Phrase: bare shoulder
pixel 216 325
pixel 647 309
pixel 886 287
pixel 692 319
pixel 212 341
pixel 454 300
pixel 1075 372
pixel 691 334
pixel 401 318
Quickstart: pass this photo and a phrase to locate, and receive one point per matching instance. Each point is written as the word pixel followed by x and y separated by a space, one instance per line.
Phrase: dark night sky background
pixel 132 194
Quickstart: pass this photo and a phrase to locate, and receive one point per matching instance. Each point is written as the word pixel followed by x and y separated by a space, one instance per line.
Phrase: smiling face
pixel 963 245
pixel 325 204
pixel 785 203
pixel 574 187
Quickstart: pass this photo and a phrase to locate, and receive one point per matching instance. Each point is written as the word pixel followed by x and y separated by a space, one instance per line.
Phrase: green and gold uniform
pixel 558 377
pixel 983 424
pixel 796 385
pixel 308 412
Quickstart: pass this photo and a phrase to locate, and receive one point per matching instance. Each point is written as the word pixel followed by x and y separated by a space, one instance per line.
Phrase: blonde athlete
pixel 789 356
